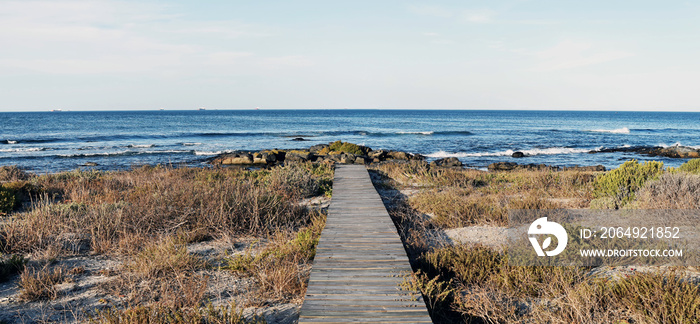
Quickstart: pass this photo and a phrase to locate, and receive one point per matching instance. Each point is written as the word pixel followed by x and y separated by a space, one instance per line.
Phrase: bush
pixel 8 200
pixel 39 285
pixel 670 191
pixel 12 173
pixel 692 166
pixel 339 147
pixel 11 265
pixel 618 187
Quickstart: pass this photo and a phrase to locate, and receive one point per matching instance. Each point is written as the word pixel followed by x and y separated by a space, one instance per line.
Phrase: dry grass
pixel 40 284
pixel 474 283
pixel 117 212
pixel 463 197
pixel 146 217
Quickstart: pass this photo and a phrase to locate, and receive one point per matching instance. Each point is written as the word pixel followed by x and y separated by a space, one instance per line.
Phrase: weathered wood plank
pixel 360 261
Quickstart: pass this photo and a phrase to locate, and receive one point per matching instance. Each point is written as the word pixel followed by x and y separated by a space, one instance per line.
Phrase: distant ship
pixel 201 108
pixel 56 110
pixel 162 108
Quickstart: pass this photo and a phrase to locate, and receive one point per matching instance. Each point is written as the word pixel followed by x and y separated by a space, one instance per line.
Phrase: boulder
pixel 264 158
pixel 677 151
pixel 298 139
pixel 362 160
pixel 518 154
pixel 236 158
pixel 89 164
pixel 317 147
pixel 398 155
pixel 502 166
pixel 378 154
pixel 298 156
pixel 447 162
pixel 348 158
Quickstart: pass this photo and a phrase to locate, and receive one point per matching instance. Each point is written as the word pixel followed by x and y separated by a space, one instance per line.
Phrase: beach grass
pixel 464 282
pixel 147 219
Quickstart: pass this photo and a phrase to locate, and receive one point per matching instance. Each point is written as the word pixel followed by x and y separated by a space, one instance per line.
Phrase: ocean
pixel 56 141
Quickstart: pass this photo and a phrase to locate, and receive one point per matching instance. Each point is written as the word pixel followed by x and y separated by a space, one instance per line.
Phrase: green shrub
pixel 692 166
pixel 12 173
pixel 11 265
pixel 8 200
pixel 339 146
pixel 618 187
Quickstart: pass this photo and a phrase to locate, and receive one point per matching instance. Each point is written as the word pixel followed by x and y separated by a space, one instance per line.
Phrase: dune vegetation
pixel 468 279
pixel 159 244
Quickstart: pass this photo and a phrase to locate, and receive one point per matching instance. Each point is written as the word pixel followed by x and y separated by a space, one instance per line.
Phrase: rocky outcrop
pixel 518 154
pixel 447 162
pixel 676 151
pixel 330 153
pixel 512 166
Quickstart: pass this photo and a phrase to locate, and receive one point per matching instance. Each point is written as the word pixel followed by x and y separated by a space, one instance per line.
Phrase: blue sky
pixel 104 54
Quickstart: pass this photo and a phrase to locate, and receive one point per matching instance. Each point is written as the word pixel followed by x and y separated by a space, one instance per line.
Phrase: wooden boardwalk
pixel 360 261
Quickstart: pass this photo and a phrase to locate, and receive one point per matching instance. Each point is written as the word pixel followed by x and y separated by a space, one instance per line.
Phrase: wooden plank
pixel 360 261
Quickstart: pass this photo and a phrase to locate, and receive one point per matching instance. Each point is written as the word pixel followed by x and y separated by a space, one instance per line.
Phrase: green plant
pixel 618 187
pixel 692 166
pixel 343 147
pixel 8 200
pixel 11 265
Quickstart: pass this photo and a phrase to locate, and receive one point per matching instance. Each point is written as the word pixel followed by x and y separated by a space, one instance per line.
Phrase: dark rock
pixel 677 151
pixel 298 156
pixel 348 158
pixel 361 160
pixel 518 154
pixel 398 155
pixel 448 162
pixel 317 147
pixel 378 154
pixel 298 139
pixel 502 166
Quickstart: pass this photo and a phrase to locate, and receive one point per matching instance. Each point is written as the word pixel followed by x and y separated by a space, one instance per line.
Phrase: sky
pixel 133 55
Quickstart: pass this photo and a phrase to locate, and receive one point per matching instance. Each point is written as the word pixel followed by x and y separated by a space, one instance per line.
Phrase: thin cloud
pixel 570 54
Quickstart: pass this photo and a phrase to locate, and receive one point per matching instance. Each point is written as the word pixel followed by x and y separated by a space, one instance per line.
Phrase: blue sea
pixel 56 141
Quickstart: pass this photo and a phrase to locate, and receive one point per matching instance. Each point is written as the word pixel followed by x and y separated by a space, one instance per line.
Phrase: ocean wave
pixel 209 153
pixel 122 153
pixel 531 152
pixel 24 149
pixel 416 133
pixel 141 145
pixel 8 142
pixel 191 144
pixel 623 130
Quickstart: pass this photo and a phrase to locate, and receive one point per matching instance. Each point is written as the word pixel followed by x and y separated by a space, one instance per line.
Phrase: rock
pixel 263 158
pixel 298 156
pixel 585 168
pixel 398 155
pixel 518 154
pixel 361 160
pixel 317 147
pixel 90 164
pixel 448 162
pixel 676 151
pixel 236 159
pixel 298 139
pixel 509 166
pixel 502 166
pixel 378 154
pixel 347 158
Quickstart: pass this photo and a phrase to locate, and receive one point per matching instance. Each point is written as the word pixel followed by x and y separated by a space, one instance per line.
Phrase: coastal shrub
pixel 12 173
pixel 618 187
pixel 40 284
pixel 160 314
pixel 11 265
pixel 342 147
pixel 8 200
pixel 692 166
pixel 670 191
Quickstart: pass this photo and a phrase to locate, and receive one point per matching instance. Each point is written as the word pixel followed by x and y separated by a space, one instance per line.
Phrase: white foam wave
pixel 417 133
pixel 28 149
pixel 141 145
pixel 211 152
pixel 623 130
pixel 11 142
pixel 191 144
pixel 543 151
